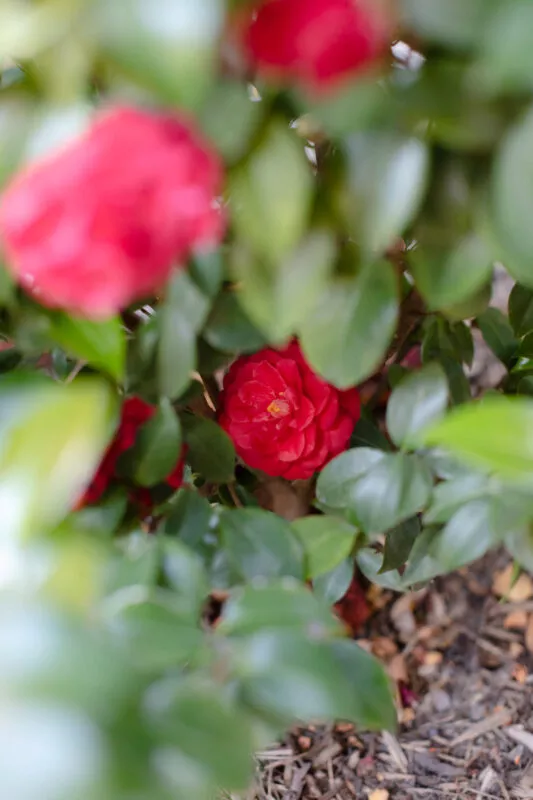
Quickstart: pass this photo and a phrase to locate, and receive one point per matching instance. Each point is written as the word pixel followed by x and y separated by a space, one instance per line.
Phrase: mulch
pixel 461 657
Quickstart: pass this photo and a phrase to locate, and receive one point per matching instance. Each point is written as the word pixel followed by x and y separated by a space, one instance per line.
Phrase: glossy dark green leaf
pixel 278 606
pixel 207 740
pixel 101 344
pixel 157 446
pixel 336 481
pixel 210 450
pixel 444 339
pixel 326 542
pixel 332 586
pixel 498 334
pixel 180 319
pixel 386 181
pixel 367 434
pixel 394 490
pixel 190 519
pixel 422 565
pixel 418 400
pixel 271 194
pixel 399 543
pixel 370 563
pixel 451 279
pixel 490 434
pixel 351 311
pixel 521 309
pixel 229 328
pixel 448 496
pixel 261 544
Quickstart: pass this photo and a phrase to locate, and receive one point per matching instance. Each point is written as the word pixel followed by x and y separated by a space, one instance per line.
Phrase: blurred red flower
pixel 316 43
pixel 101 222
pixel 135 412
pixel 284 419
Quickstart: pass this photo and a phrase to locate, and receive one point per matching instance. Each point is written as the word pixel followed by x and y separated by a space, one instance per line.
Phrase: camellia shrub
pixel 247 256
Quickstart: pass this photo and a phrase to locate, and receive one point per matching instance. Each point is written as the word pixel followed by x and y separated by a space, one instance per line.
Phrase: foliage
pixel 157 622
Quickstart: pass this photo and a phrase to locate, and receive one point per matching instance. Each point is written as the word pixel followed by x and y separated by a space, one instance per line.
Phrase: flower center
pixel 279 408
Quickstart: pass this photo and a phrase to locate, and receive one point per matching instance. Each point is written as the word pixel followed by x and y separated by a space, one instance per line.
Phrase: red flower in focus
pixel 284 419
pixel 101 222
pixel 135 412
pixel 316 43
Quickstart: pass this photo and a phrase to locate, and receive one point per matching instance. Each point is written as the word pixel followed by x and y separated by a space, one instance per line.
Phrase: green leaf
pixel 451 341
pixel 371 700
pixel 450 495
pixel 394 490
pixel 181 317
pixel 386 181
pixel 230 118
pixel 271 194
pixel 521 309
pixel 229 328
pixel 520 545
pixel 287 677
pixel 210 450
pixel 399 543
pixel 370 563
pixel 512 199
pixel 157 447
pixel 52 438
pixel 467 536
pixel 367 434
pixel 326 542
pixel 457 23
pixel 507 60
pixel 352 311
pixel 337 479
pixel 154 630
pixel 490 434
pixel 185 574
pixel 358 106
pixel 251 609
pixel 498 334
pixel 135 564
pixel 207 741
pixel 422 565
pixel 101 344
pixel 190 519
pixel 168 48
pixel 261 544
pixel 449 280
pixel 332 586
pixel 418 400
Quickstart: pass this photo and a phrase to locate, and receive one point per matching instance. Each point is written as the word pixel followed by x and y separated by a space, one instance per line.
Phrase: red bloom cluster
pixel 316 43
pixel 100 223
pixel 135 412
pixel 284 419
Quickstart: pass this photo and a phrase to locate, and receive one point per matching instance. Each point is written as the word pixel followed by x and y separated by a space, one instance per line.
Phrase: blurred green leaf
pixel 467 536
pixel 229 328
pixel 326 542
pixel 498 334
pixel 184 571
pixel 419 399
pixel 520 545
pixel 53 437
pixel 261 544
pixel 181 317
pixel 450 495
pixel 136 563
pixel 490 434
pixel 278 606
pixel 230 118
pixel 157 446
pixel 449 340
pixel 167 47
pixel 189 519
pixel 210 451
pixel 206 739
pixel 453 277
pixel 271 194
pixel 458 22
pixel 506 57
pixel 357 106
pixel 521 309
pixel 352 311
pixel 332 586
pixel 386 181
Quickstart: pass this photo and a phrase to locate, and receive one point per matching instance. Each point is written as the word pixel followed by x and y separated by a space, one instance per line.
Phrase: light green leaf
pixel 352 312
pixel 467 536
pixel 326 542
pixel 420 398
pixel 271 194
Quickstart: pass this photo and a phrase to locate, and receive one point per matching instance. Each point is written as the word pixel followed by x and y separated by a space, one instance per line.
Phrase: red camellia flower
pixel 135 412
pixel 316 43
pixel 284 419
pixel 100 222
